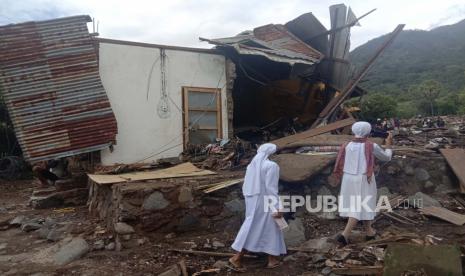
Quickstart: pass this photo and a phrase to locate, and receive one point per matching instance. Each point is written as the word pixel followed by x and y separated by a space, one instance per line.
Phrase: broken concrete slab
pixel 432 259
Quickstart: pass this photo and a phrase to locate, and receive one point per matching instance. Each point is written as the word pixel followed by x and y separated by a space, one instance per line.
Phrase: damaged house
pixel 69 92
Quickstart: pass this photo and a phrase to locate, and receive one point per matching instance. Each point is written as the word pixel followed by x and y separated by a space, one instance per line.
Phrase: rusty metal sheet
pixel 272 41
pixel 50 81
pixel 456 160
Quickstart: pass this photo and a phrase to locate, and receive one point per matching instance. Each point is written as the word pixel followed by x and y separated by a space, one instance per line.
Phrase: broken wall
pixel 131 74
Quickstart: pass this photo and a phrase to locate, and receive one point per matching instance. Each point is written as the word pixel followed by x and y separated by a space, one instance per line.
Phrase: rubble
pixel 70 251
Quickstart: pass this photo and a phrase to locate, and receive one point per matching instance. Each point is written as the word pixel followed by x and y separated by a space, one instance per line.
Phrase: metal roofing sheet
pixel 51 85
pixel 274 42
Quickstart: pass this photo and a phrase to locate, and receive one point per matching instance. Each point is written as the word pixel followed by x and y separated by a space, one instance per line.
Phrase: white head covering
pixel 254 174
pixel 361 129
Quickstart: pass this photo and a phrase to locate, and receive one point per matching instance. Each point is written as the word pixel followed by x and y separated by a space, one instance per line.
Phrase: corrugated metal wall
pixel 50 80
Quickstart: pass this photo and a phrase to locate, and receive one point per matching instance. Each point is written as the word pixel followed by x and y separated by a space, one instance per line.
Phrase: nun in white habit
pixel 259 231
pixel 355 164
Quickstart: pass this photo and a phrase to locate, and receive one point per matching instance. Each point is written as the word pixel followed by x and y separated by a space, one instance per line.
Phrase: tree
pixel 426 95
pixel 376 106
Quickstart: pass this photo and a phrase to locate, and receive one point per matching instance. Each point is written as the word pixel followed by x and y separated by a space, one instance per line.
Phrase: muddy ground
pixel 149 253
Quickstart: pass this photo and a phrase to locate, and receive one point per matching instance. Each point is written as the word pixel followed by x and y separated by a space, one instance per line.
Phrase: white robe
pixel 259 231
pixel 355 183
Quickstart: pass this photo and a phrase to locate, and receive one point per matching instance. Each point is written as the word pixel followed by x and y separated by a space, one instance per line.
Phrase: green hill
pixel 415 56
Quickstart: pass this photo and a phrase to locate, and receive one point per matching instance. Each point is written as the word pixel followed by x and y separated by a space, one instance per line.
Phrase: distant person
pixel 355 165
pixel 259 231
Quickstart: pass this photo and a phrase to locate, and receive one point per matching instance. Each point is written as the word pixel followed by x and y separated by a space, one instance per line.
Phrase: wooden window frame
pixel 186 109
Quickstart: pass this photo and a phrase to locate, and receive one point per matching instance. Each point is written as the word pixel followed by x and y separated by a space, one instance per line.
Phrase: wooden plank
pixel 181 170
pixel 312 132
pixel 223 185
pixel 456 160
pixel 444 214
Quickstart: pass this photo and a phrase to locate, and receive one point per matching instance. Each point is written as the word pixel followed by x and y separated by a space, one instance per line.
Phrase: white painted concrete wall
pixel 125 73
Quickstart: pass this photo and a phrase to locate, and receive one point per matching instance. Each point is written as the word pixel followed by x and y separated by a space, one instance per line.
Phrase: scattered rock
pixel 111 246
pixel 71 251
pixel 99 245
pixel 185 194
pixel 235 205
pixel 17 221
pixel 429 186
pixel 423 200
pixel 392 170
pixel 421 174
pixel 326 270
pixel 141 241
pixel 318 258
pixel 170 236
pixel 123 228
pixel 217 244
pixel 55 235
pixel 43 232
pixel 409 170
pixel 320 244
pixel 289 258
pixel 384 191
pixel 220 264
pixel 30 226
pixel 295 234
pixel 49 222
pixel 188 223
pixel 324 191
pixel 3 245
pixel 126 237
pixel 155 201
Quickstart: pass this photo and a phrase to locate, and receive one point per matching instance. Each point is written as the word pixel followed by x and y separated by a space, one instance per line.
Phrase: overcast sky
pixel 181 22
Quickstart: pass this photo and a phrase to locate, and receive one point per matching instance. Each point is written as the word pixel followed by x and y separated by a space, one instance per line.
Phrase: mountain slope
pixel 414 56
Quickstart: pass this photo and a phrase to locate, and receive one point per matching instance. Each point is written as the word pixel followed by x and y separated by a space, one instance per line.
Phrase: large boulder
pixel 71 251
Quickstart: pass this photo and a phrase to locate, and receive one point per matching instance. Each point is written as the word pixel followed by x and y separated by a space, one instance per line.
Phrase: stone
pixel 384 191
pixel 111 246
pixel 235 205
pixel 433 259
pixel 99 245
pixel 217 244
pixel 421 174
pixel 294 235
pixel 320 244
pixel 173 271
pixel 289 258
pixel 43 232
pixel 49 222
pixel 187 223
pixel 155 201
pixel 71 251
pixel 423 200
pixel 324 191
pixel 185 195
pixel 141 241
pixel 316 258
pixel 429 186
pixel 55 235
pixel 123 228
pixel 220 264
pixel 170 235
pixel 3 245
pixel 408 170
pixel 17 221
pixel 392 170
pixel 126 237
pixel 326 271
pixel 30 226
